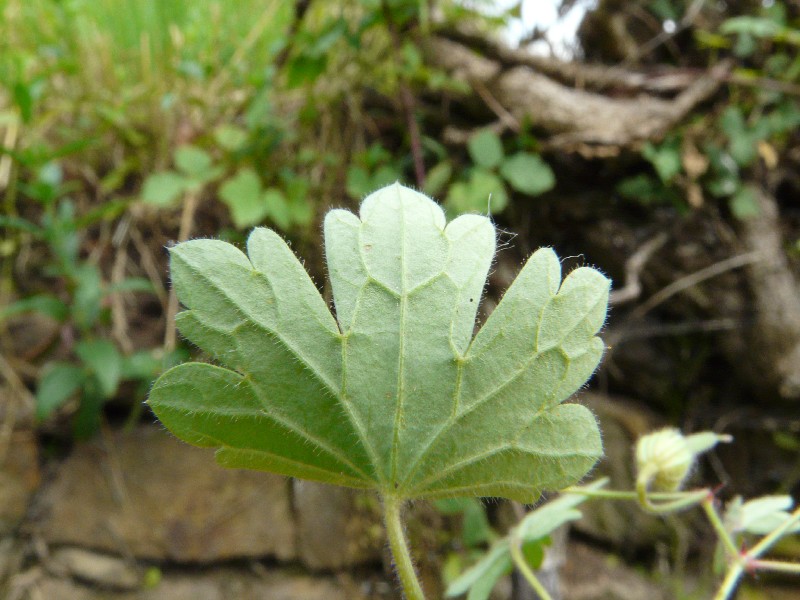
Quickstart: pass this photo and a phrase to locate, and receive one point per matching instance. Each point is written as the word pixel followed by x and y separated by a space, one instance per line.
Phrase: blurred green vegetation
pixel 126 124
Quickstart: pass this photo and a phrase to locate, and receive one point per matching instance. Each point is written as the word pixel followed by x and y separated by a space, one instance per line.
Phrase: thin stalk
pixel 643 496
pixel 399 546
pixel 778 566
pixel 767 542
pixel 730 582
pixel 522 564
pixel 187 220
pixel 628 495
pixel 719 526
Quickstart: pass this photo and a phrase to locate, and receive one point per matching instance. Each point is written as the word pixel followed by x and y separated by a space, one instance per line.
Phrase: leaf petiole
pixel 399 546
pixel 522 564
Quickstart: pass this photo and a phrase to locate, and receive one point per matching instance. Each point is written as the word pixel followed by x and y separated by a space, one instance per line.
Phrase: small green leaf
pixel 759 516
pixel 484 193
pixel 665 158
pixel 131 284
pixel 304 69
pixel 475 526
pixel 544 520
pixel 20 224
pixel 476 529
pixel 245 198
pixel 301 212
pixel 438 177
pixel 58 383
pixel 230 137
pixel 88 297
pixel 104 361
pixel 485 149
pixel 742 141
pixel 143 364
pixel 532 531
pixel 192 161
pixel 744 204
pixel 278 208
pixel 528 173
pixel 481 578
pixel 383 176
pixel 533 551
pixel 163 189
pixel 750 25
pixel 358 182
pixel 41 303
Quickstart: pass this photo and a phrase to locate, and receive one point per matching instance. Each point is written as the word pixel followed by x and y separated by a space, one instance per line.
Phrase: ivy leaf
pixel 393 394
pixel 58 383
pixel 163 189
pixel 244 197
pixel 104 361
pixel 192 161
pixel 528 173
pixel 484 192
pixel 485 149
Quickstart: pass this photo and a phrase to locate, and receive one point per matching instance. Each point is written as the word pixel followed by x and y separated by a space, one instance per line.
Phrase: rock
pixel 19 477
pixel 222 584
pixel 336 527
pixel 11 559
pixel 148 495
pixel 97 569
pixel 592 575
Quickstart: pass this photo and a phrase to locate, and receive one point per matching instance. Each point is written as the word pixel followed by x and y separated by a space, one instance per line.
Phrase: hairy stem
pixel 719 527
pixel 397 542
pixel 527 573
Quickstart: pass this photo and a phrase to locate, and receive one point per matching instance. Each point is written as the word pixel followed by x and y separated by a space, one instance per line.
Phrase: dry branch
pixel 573 117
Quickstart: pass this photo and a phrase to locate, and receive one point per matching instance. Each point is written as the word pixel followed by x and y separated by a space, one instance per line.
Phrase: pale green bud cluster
pixel 665 458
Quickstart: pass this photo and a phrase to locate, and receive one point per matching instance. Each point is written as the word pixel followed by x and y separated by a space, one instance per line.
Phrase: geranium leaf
pixel 394 394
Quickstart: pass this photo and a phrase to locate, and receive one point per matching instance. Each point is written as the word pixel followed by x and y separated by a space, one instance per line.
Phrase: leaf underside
pixel 395 393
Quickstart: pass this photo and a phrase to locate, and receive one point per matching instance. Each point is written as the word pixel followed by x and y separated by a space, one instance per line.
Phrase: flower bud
pixel 665 458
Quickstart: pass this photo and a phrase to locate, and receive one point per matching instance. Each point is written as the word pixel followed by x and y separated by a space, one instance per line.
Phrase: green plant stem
pixel 527 573
pixel 399 547
pixel 768 541
pixel 735 572
pixel 623 495
pixel 749 560
pixel 776 565
pixel 685 500
pixel 719 526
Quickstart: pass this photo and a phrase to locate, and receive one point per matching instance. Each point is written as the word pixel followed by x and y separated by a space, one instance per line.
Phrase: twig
pixel 506 118
pixel 20 395
pixel 693 279
pixel 633 268
pixel 187 221
pixel 119 327
pixel 666 36
pixel 674 329
pixel 772 85
pixel 149 264
pixel 9 141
